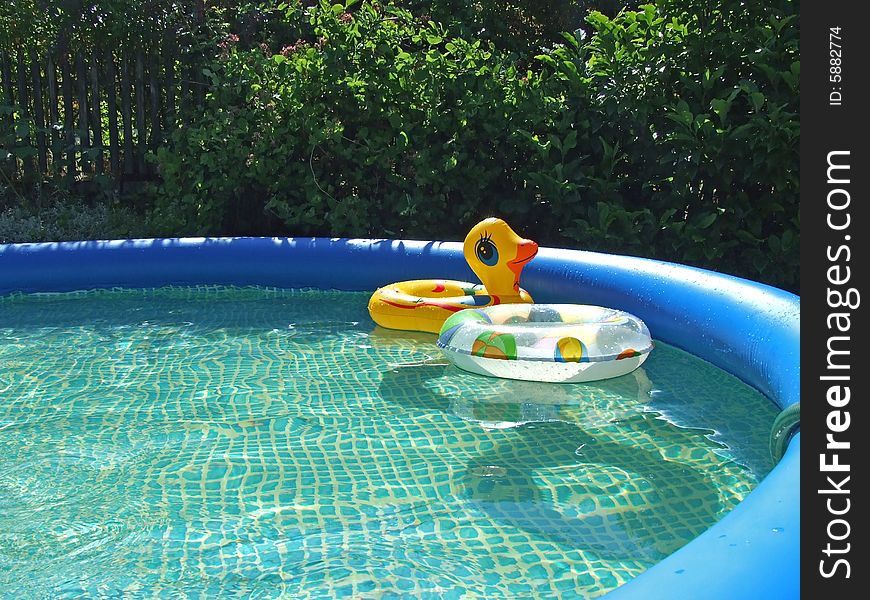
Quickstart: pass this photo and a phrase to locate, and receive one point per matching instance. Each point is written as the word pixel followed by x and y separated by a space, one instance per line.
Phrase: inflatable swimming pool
pixel 746 328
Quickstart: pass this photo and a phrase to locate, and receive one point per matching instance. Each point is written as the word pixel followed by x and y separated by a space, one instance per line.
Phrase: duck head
pixel 497 256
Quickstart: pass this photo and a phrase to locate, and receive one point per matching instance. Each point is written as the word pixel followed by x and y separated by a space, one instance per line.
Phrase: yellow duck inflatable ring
pixel 497 256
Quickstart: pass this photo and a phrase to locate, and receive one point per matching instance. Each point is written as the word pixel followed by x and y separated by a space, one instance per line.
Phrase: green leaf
pixel 721 108
pixel 571 39
pixel 570 142
pixel 757 99
pixel 604 216
pixel 570 69
pixel 746 237
pixel 706 220
pixel 547 59
pixel 555 142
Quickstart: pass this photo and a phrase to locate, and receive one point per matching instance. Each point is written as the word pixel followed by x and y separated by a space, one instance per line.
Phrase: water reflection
pixel 587 466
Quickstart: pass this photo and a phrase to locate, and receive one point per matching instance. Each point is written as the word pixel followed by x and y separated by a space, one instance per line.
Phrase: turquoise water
pixel 244 442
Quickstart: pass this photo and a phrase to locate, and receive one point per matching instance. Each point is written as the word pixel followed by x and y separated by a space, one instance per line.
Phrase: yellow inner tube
pixel 497 256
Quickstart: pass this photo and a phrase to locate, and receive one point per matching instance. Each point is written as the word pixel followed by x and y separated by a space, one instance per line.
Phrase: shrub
pixel 669 131
pixel 692 137
pixel 524 27
pixel 65 218
pixel 374 123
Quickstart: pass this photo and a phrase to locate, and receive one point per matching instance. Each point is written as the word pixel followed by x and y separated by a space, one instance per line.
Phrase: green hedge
pixel 374 123
pixel 702 102
pixel 668 131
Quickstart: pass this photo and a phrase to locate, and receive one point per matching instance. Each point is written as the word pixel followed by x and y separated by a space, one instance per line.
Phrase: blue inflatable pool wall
pixel 746 328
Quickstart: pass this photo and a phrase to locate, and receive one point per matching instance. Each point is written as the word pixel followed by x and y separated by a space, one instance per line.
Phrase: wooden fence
pixel 82 114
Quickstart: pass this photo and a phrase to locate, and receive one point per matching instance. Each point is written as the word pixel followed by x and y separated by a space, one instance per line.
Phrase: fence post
pixel 6 74
pixel 98 125
pixel 51 76
pixel 127 114
pixel 39 114
pixel 68 122
pixel 140 110
pixel 24 110
pixel 84 134
pixel 155 138
pixel 111 100
pixel 169 59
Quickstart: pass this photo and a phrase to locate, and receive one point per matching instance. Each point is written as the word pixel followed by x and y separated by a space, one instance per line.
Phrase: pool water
pixel 249 442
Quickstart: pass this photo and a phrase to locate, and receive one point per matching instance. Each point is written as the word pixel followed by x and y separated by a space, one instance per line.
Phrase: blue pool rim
pixel 746 328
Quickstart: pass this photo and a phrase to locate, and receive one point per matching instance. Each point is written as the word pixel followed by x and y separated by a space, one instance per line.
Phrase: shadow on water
pixel 408 387
pixel 612 496
pixel 623 501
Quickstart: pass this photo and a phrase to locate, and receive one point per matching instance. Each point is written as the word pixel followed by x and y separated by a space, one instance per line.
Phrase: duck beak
pixel 526 251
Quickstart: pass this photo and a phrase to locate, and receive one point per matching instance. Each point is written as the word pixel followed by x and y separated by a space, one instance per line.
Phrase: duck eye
pixel 486 252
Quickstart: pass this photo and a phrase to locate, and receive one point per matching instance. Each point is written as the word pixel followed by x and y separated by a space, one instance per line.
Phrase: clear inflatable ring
pixel 561 343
